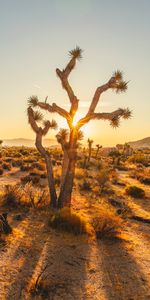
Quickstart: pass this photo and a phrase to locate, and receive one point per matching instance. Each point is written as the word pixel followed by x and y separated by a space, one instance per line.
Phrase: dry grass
pixel 27 195
pixel 106 223
pixel 68 220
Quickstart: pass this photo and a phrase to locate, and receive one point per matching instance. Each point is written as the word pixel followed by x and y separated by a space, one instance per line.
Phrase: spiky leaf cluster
pixel 117 83
pixel 118 75
pixel 115 122
pixel 38 116
pixel 53 124
pixel 76 53
pixel 33 101
pixel 80 135
pixel 62 135
pixel 127 114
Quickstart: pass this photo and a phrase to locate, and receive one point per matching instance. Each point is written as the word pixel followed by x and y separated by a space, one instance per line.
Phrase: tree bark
pixel 66 188
pixel 49 168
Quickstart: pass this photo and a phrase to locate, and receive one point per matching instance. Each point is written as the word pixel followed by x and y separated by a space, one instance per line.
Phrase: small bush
pixel 12 195
pixel 80 173
pixel 135 191
pixel 26 195
pixel 25 167
pixel 6 166
pixel 69 221
pixel 102 178
pixel 28 178
pixel 85 186
pixel 1 171
pixel 106 224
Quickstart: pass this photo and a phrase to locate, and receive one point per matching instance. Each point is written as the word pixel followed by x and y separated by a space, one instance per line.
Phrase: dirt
pixel 76 267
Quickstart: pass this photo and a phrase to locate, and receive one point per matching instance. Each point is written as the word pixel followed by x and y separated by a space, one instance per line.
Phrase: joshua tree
pixel 115 83
pixel 98 148
pixel 90 142
pixel 34 117
pixel 114 154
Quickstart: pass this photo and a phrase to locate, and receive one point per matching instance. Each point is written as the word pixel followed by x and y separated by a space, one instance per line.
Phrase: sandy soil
pixel 76 267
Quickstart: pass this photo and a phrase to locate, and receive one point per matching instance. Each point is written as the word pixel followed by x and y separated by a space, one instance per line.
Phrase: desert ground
pixel 108 262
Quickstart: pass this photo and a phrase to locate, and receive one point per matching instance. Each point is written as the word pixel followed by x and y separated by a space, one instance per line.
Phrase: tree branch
pixel 54 108
pixel 115 82
pixel 63 75
pixel 113 117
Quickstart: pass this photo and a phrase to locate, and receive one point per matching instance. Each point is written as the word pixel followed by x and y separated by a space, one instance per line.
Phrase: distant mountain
pixel 144 143
pixel 27 142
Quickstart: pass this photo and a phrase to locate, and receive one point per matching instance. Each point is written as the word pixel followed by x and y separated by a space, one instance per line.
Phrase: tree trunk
pixel 90 150
pixel 49 168
pixel 97 152
pixel 64 167
pixel 67 186
pixel 66 189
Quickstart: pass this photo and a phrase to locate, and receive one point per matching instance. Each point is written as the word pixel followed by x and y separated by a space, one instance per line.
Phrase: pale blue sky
pixel 36 36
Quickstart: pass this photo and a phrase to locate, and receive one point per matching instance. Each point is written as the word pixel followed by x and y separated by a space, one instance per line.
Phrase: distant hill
pixel 144 143
pixel 27 142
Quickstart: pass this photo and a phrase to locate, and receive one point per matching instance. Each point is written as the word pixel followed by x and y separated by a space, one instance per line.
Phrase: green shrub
pixel 69 221
pixel 135 191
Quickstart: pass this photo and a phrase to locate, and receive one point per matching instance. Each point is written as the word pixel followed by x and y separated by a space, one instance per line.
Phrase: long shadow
pixel 143 203
pixel 122 277
pixel 65 256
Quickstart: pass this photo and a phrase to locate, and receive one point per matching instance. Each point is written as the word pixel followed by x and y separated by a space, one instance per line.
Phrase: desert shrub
pixel 39 166
pixel 102 178
pixel 6 166
pixel 137 158
pixel 26 195
pixel 106 224
pixel 80 173
pixel 67 220
pixel 135 191
pixel 29 178
pixel 35 172
pixel 25 167
pixel 1 171
pixel 113 175
pixel 12 195
pixel 17 154
pixel 29 160
pixel 17 163
pixel 86 185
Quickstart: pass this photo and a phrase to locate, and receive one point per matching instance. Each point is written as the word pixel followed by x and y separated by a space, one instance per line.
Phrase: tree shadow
pixel 122 277
pixel 65 256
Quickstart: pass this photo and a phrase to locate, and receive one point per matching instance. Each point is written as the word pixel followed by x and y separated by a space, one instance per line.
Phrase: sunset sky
pixel 36 36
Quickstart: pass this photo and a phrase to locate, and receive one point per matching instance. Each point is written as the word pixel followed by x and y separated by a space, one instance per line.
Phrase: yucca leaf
pixel 62 135
pixel 76 53
pixel 38 116
pixel 121 86
pixel 33 101
pixel 117 75
pixel 127 113
pixel 80 135
pixel 115 122
pixel 53 124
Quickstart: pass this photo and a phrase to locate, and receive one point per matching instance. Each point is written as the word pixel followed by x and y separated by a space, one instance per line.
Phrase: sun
pixel 62 123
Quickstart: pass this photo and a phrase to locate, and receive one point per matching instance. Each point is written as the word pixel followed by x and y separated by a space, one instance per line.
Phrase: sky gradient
pixel 36 36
